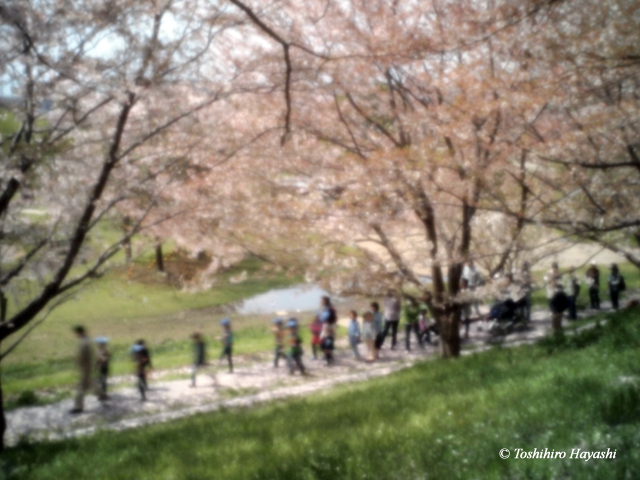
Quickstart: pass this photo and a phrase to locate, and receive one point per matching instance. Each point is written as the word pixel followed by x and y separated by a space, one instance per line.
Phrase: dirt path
pixel 250 384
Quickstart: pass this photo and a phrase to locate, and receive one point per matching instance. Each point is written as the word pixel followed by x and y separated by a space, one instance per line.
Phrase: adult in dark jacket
pixel 616 285
pixel 593 282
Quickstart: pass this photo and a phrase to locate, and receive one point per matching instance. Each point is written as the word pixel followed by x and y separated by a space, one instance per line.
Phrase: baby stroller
pixel 506 317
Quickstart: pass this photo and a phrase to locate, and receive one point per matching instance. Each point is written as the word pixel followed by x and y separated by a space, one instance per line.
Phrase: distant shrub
pixel 27 398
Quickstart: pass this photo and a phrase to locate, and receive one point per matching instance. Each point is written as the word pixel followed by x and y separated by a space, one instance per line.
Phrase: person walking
pixel 410 317
pixel 471 274
pixel 572 289
pixel 552 281
pixel 227 342
pixel 327 342
pixel 327 311
pixel 616 285
pixel 85 363
pixel 199 356
pixel 423 325
pixel 278 335
pixel 316 342
pixel 593 282
pixel 294 358
pixel 378 325
pixel 369 335
pixel 102 363
pixel 392 309
pixel 142 360
pixel 354 334
pixel 556 296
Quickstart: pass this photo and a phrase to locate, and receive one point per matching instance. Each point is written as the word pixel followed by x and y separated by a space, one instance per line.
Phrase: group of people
pixel 375 327
pixel 562 291
pixel 91 363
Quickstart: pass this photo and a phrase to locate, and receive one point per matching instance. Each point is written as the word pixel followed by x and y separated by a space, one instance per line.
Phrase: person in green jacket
pixel 410 316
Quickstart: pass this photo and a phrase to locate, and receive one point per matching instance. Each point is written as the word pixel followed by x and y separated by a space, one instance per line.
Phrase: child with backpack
pixel 327 339
pixel 295 348
pixel 142 361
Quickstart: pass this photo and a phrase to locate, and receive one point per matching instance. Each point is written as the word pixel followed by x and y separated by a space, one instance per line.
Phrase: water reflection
pixel 302 298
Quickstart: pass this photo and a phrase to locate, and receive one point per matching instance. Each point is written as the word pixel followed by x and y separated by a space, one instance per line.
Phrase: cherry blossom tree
pixel 99 122
pixel 410 129
pixel 589 157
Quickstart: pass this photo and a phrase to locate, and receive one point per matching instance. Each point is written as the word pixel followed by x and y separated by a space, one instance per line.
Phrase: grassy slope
pixel 440 419
pixel 125 311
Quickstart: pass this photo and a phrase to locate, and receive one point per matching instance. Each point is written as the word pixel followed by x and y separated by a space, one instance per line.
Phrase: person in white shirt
pixel 471 274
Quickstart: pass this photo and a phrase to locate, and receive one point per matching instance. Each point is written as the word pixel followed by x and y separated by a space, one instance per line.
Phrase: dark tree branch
pixel 287 60
pixel 373 122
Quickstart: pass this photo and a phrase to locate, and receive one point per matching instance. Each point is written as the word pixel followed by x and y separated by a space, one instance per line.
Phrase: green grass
pixel 125 311
pixel 440 419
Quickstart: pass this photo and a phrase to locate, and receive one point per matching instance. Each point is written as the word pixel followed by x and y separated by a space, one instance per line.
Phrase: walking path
pixel 250 384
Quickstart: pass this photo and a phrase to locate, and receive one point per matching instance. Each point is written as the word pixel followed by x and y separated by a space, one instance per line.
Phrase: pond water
pixel 299 298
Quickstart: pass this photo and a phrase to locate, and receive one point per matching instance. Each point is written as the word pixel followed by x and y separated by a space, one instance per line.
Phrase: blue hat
pixel 277 320
pixel 101 340
pixel 293 322
pixel 136 348
pixel 225 321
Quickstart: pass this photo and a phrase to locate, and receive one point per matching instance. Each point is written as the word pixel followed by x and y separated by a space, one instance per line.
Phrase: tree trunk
pixel 126 227
pixel 127 251
pixel 450 333
pixel 159 259
pixel 3 420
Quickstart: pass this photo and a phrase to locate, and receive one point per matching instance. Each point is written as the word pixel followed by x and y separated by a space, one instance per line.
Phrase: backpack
pixel 559 302
pixel 333 315
pixel 622 286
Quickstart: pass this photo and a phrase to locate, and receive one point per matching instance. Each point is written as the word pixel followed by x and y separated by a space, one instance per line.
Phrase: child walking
pixel 423 326
pixel 327 339
pixel 199 357
pixel 316 330
pixel 227 342
pixel 142 361
pixel 369 335
pixel 278 333
pixel 295 348
pixel 354 333
pixel 102 362
pixel 410 315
